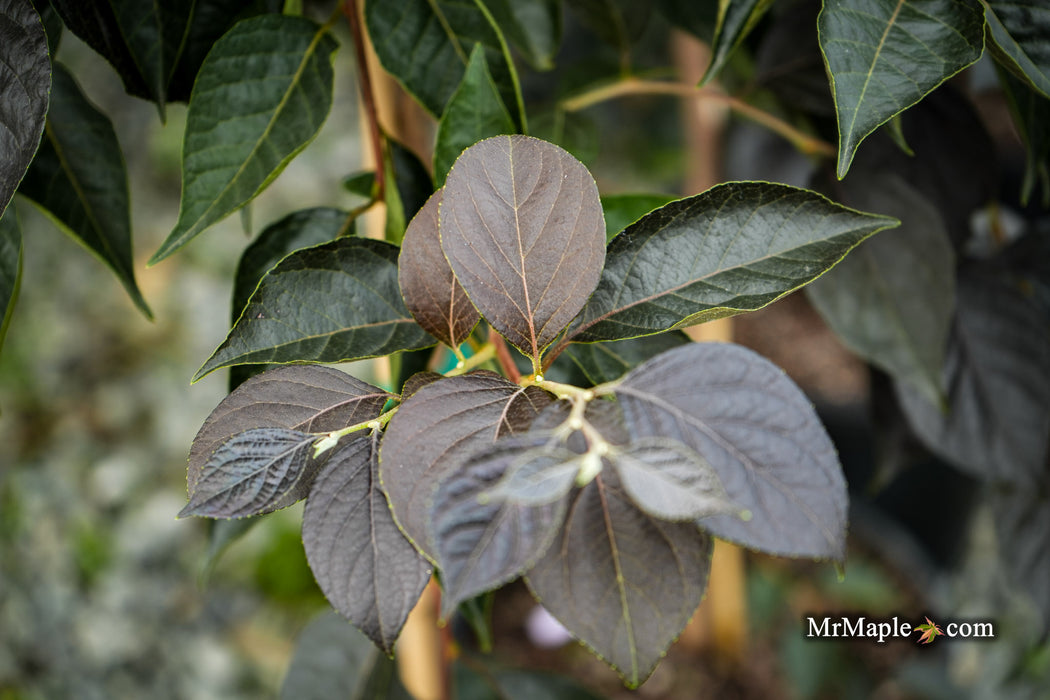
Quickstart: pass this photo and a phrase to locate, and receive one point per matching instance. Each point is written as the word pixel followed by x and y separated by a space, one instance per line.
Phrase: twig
pixel 635 86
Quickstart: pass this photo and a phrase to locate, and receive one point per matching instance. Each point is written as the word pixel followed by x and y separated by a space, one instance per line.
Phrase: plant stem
pixel 485 353
pixel 353 19
pixel 327 441
pixel 519 98
pixel 806 144
pixel 506 362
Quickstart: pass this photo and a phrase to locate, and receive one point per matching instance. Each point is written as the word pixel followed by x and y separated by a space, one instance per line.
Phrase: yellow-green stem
pixel 805 143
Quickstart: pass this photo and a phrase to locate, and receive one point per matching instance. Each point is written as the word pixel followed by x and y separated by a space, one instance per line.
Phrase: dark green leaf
pixel 1031 113
pixel 367 569
pixel 222 534
pixel 522 227
pixel 788 61
pixel 622 210
pixel 362 184
pixel 414 185
pixel 10 268
pixel 25 79
pixel 251 473
pixel 606 362
pixel 948 137
pixel 490 683
pixel 474 112
pixel 141 40
pixel 871 299
pixel 533 26
pixel 331 303
pixel 78 178
pixel 618 23
pixel 698 17
pixel 299 398
pixel 411 37
pixel 736 19
pixel 669 481
pixel 260 98
pixel 760 434
pixel 883 57
pixel 301 229
pixel 1020 30
pixel 621 581
pixel 737 247
pixel 441 425
pixel 334 660
pixel 432 294
pixel 997 374
pixel 211 19
pixel 484 540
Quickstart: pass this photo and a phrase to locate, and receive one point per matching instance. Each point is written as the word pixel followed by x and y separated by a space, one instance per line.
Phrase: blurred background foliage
pixel 103 594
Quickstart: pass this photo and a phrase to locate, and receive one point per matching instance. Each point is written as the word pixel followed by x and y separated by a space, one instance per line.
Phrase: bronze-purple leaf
pixel 441 425
pixel 367 569
pixel 295 397
pixel 522 227
pixel 430 290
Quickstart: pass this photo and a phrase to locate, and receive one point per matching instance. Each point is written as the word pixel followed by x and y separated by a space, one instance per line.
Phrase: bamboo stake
pixel 721 622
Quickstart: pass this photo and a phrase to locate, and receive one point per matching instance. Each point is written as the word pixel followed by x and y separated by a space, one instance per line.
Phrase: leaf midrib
pixel 308 55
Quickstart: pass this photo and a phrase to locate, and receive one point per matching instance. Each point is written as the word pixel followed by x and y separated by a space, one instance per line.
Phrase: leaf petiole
pixel 327 441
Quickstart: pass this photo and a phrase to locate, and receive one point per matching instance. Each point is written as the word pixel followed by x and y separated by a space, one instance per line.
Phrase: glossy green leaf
pixel 697 17
pixel 735 248
pixel 25 79
pixel 331 303
pixel 522 227
pixel 10 268
pixel 997 375
pixel 78 178
pixel 301 229
pixel 760 434
pixel 211 20
pixel 619 23
pixel 670 481
pixel 156 48
pixel 251 473
pixel 474 112
pixel 621 581
pixel 622 210
pixel 484 540
pixel 606 362
pixel 411 37
pixel 298 398
pixel 869 299
pixel 261 96
pixel 533 26
pixel 141 40
pixel 334 660
pixel 430 290
pixel 414 185
pixel 883 56
pixel 736 19
pixel 53 25
pixel 441 425
pixel 1020 30
pixel 1031 113
pixel 367 569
